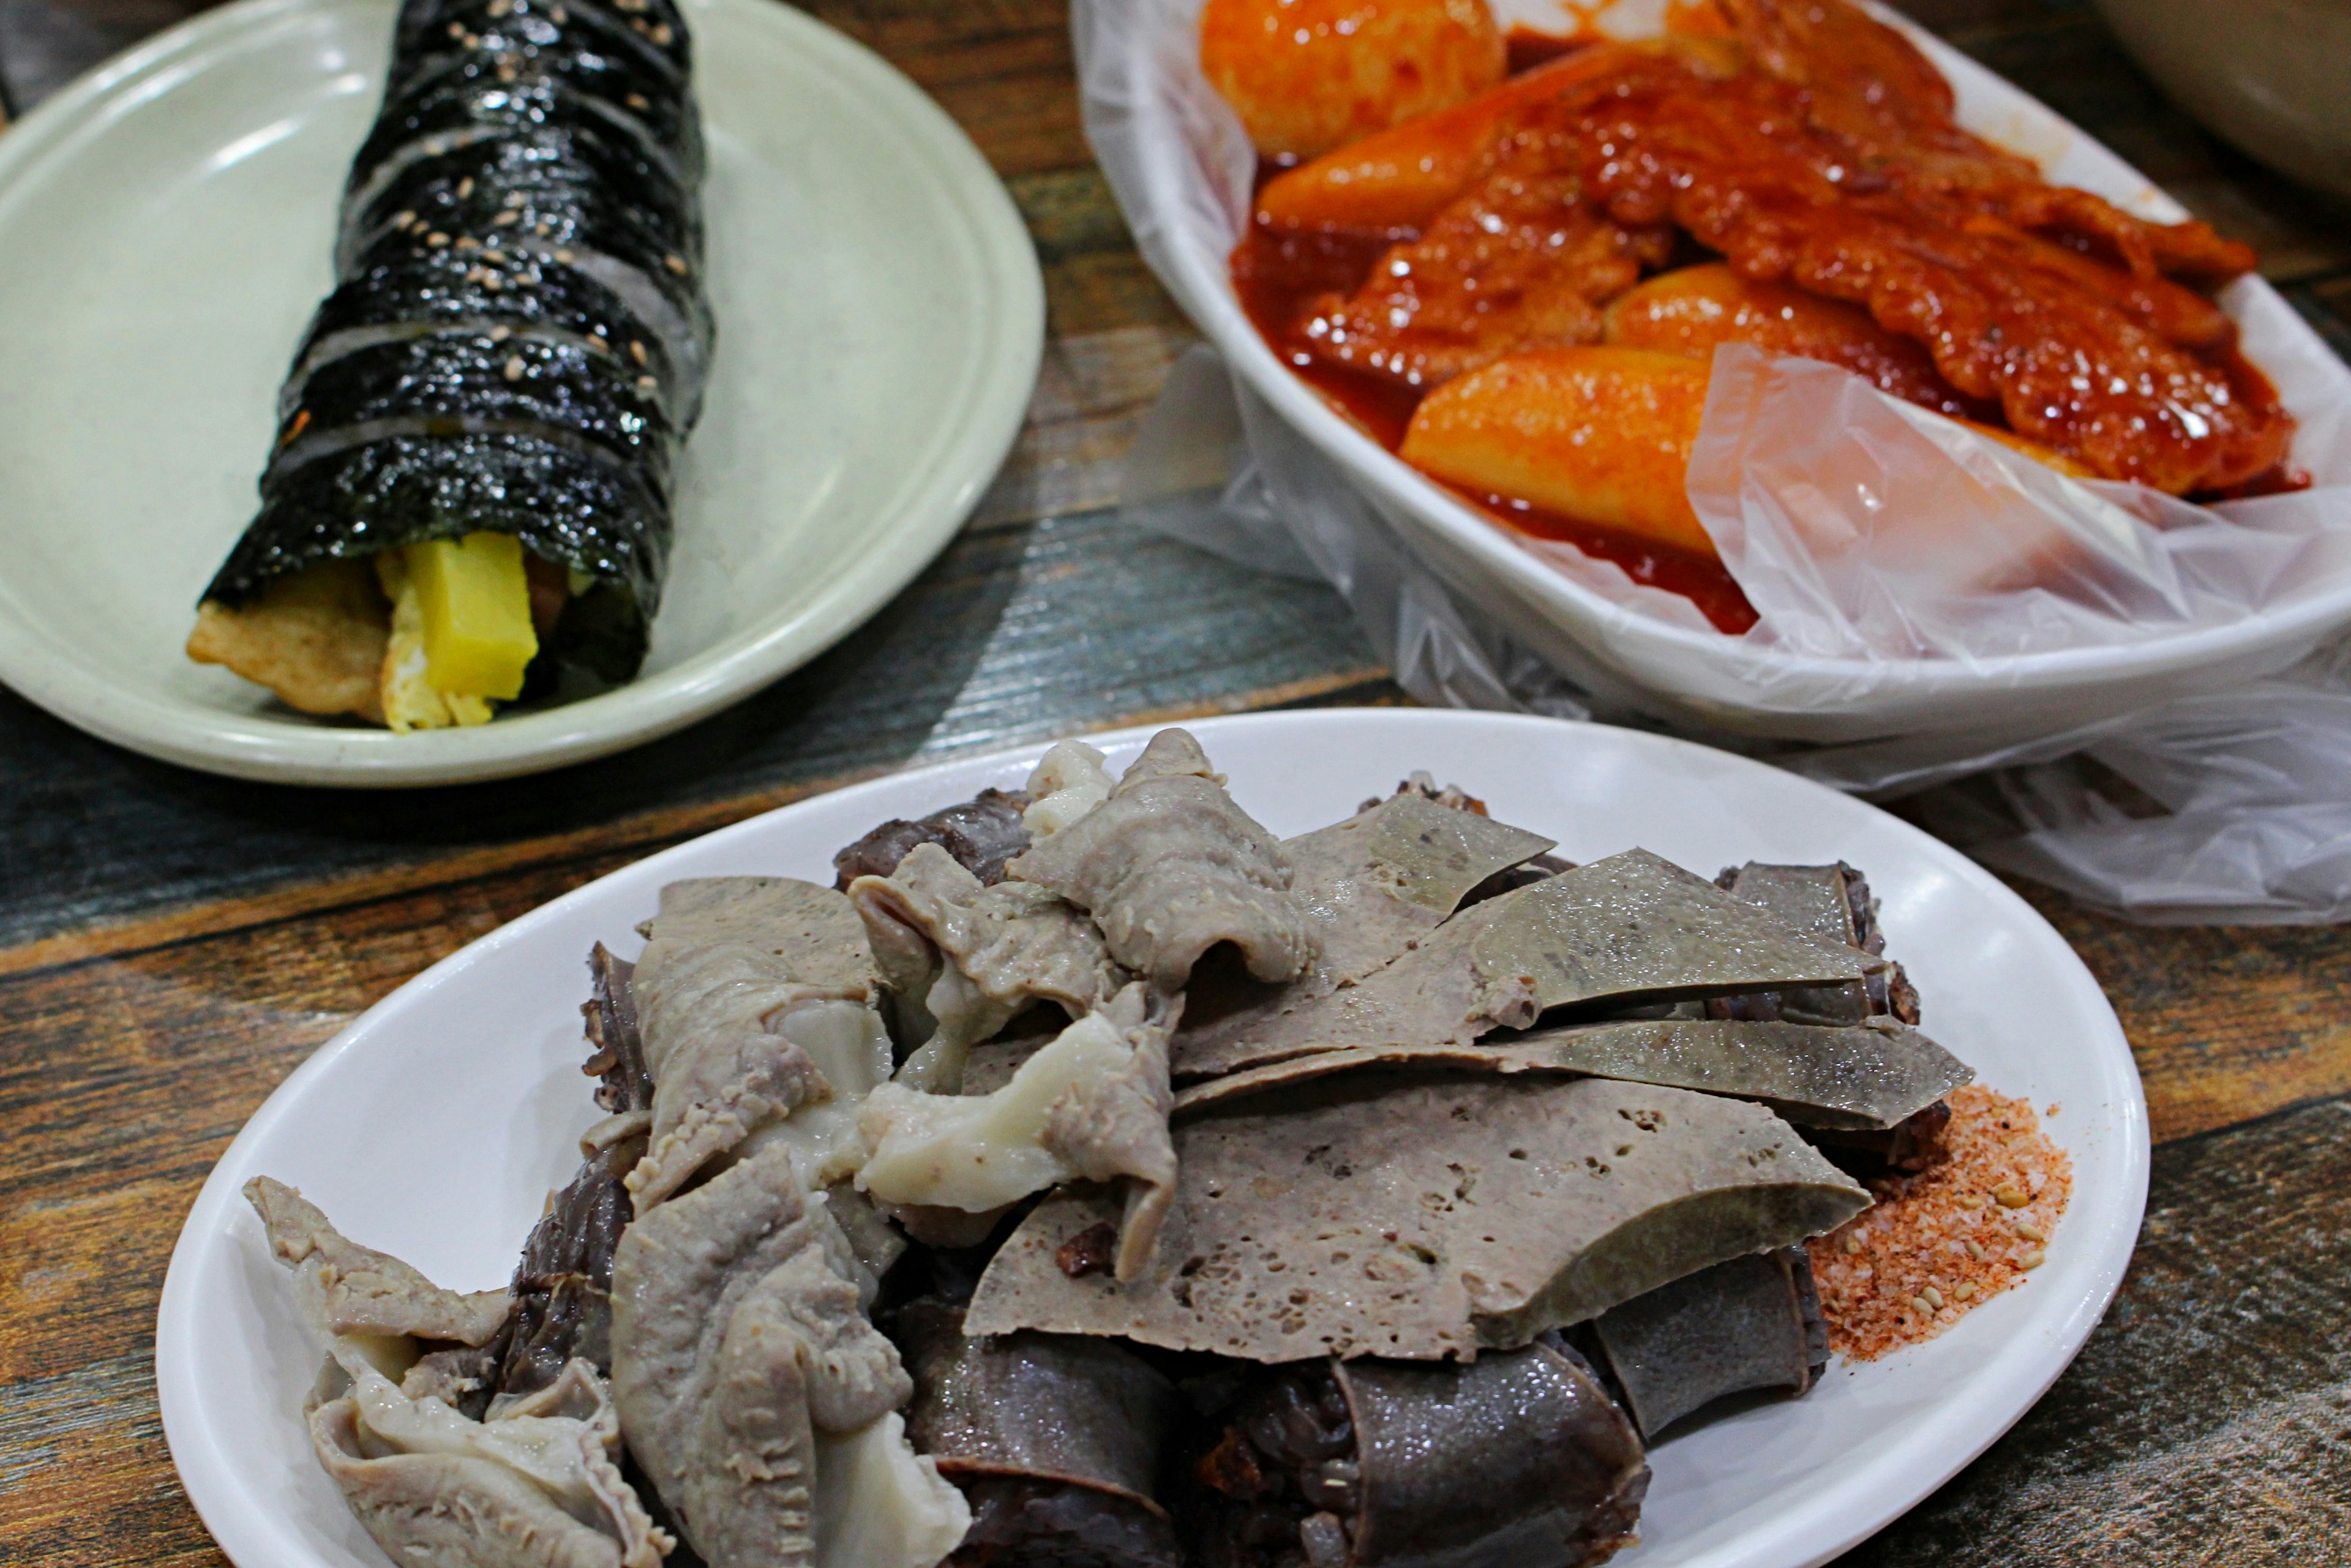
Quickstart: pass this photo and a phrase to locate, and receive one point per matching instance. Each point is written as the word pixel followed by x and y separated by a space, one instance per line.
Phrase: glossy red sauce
pixel 1278 274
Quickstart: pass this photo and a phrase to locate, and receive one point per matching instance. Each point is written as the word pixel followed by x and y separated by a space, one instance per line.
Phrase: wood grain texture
pixel 2209 1419
pixel 170 946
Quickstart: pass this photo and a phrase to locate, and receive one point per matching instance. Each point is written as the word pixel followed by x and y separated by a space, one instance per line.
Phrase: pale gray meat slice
pixel 1745 1324
pixel 1420 1217
pixel 1869 1076
pixel 365 1292
pixel 734 967
pixel 734 1342
pixel 451 1510
pixel 813 927
pixel 1631 929
pixel 1372 886
pixel 1170 867
pixel 975 956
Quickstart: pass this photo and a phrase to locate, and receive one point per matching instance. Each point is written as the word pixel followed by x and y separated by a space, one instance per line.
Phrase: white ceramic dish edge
pixel 2099 1230
pixel 308 753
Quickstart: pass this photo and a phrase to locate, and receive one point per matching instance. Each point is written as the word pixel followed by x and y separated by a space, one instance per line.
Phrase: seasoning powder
pixel 1938 1244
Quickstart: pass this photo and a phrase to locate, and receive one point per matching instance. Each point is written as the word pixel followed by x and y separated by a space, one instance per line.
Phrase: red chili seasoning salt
pixel 1937 1244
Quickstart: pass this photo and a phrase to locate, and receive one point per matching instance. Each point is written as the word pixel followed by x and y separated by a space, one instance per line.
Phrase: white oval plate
pixel 166 229
pixel 433 1126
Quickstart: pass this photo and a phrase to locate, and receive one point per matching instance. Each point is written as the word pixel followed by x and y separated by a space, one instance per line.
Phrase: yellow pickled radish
pixel 476 606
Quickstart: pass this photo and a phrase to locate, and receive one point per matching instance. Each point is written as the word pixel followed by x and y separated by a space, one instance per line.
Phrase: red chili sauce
pixel 1276 275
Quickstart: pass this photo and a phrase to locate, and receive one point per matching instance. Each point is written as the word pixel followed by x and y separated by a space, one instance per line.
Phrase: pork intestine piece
pixel 359 1291
pixel 1092 1105
pixel 1170 867
pixel 975 956
pixel 538 1487
pixel 757 1395
pixel 755 998
pixel 1072 780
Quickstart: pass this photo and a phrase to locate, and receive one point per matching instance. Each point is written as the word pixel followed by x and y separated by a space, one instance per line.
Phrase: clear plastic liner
pixel 1868 533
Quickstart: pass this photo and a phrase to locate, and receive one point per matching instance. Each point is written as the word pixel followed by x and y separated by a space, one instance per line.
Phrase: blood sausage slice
pixel 1745 1324
pixel 1630 929
pixel 1372 886
pixel 1425 1217
pixel 1056 1440
pixel 1867 1077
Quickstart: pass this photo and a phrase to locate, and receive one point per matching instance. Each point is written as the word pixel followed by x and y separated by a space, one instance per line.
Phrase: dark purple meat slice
pixel 982 833
pixel 1518 1459
pixel 1746 1325
pixel 619 1061
pixel 1907 1147
pixel 1055 1440
pixel 561 1290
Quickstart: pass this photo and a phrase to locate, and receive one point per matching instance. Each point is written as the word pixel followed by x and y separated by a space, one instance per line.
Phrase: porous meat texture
pixel 1832 901
pixel 730 966
pixel 1425 1217
pixel 735 1344
pixel 1056 1440
pixel 1870 1079
pixel 365 1292
pixel 1941 1242
pixel 1371 887
pixel 982 834
pixel 1628 930
pixel 1517 1460
pixel 1008 945
pixel 1747 1324
pixel 1170 867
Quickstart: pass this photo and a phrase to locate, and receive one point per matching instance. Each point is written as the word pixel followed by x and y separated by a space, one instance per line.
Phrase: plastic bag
pixel 1806 477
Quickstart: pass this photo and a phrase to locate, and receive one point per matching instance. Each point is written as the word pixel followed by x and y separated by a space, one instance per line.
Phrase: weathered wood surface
pixel 171 945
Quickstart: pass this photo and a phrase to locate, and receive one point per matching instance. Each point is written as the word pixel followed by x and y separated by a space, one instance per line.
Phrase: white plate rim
pixel 996 244
pixel 1826 1523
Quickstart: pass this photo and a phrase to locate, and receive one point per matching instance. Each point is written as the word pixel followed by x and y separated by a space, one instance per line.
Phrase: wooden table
pixel 172 945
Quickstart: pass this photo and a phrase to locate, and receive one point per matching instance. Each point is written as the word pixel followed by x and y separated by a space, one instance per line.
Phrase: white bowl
pixel 433 1126
pixel 2272 75
pixel 165 228
pixel 1144 89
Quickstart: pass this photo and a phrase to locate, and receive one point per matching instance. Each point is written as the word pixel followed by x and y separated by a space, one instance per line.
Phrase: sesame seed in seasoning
pixel 648 385
pixel 564 257
pixel 513 366
pixel 676 263
pixel 493 253
pixel 503 219
pixel 637 353
pixel 1892 1277
pixel 469 242
pixel 500 333
pixel 492 282
pixel 401 220
pixel 596 341
pixel 436 239
pixel 465 187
